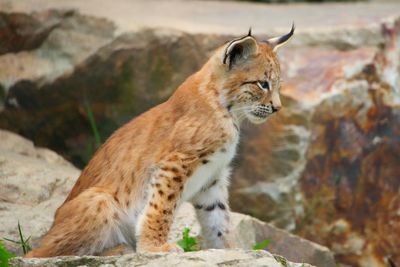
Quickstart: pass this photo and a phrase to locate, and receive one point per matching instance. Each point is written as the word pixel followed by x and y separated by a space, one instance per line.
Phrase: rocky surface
pixel 206 258
pixel 35 181
pixel 325 167
pixel 33 184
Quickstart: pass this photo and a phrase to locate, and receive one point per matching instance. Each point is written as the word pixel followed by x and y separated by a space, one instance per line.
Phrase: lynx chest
pixel 210 168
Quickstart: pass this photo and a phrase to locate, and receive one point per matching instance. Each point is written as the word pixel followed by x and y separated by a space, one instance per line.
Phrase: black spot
pixel 205 161
pixel 208 186
pixel 391 263
pixel 221 206
pixel 210 208
pixel 213 183
pixel 223 150
pixel 219 234
pixel 178 179
pixel 198 206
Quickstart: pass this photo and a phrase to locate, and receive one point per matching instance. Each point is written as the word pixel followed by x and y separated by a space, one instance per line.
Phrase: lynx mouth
pixel 261 115
pixel 261 111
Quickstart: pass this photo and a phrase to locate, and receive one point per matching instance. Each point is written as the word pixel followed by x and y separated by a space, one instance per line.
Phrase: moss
pixel 84 261
pixel 281 260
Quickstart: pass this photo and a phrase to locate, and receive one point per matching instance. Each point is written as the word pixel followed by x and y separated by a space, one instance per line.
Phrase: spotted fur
pixel 178 151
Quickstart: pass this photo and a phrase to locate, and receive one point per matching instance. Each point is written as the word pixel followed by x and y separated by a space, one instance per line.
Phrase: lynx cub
pixel 178 151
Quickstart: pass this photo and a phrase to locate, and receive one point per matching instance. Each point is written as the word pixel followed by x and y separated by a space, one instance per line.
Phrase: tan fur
pixel 143 167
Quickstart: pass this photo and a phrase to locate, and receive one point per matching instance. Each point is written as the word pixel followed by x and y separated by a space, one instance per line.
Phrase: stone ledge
pixel 206 258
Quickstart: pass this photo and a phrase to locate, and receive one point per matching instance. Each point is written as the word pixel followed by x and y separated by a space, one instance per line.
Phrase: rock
pixel 22 32
pixel 56 41
pixel 200 258
pixel 352 164
pixel 50 177
pixel 33 183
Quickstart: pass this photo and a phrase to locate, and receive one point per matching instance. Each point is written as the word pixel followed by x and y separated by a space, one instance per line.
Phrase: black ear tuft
pixel 249 34
pixel 276 42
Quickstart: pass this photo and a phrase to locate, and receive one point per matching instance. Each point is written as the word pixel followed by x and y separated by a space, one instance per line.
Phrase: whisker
pixel 241 109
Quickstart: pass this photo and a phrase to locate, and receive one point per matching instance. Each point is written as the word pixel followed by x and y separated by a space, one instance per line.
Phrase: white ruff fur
pixel 210 171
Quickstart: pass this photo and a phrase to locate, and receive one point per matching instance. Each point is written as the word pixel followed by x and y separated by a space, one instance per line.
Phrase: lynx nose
pixel 275 107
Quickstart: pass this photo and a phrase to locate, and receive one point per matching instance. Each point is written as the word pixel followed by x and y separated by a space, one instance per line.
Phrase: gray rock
pixel 206 258
pixel 33 183
pixel 55 40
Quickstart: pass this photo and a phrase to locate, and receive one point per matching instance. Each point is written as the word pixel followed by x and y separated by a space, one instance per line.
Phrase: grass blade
pixel 10 240
pixel 93 124
pixel 23 242
pixel 262 244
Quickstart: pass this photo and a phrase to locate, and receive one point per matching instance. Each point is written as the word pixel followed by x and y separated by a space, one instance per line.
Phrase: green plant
pixel 187 242
pixel 93 124
pixel 262 244
pixel 5 255
pixel 24 243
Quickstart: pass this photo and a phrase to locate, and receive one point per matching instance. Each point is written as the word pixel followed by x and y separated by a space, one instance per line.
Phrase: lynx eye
pixel 263 85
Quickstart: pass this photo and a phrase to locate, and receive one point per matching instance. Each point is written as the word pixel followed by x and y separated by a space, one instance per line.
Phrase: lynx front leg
pixel 212 210
pixel 155 221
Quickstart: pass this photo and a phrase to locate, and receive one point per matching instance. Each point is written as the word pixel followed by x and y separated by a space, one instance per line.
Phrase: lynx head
pixel 251 77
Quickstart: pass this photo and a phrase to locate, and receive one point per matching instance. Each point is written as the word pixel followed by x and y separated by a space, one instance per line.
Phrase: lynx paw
pixel 168 247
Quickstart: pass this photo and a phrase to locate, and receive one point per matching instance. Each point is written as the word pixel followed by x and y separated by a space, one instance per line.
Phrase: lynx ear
pixel 277 42
pixel 240 49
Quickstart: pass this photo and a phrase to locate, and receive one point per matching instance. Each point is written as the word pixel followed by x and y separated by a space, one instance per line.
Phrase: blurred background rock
pixel 327 167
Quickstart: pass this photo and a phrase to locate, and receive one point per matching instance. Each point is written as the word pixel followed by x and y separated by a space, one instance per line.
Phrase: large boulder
pixel 35 181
